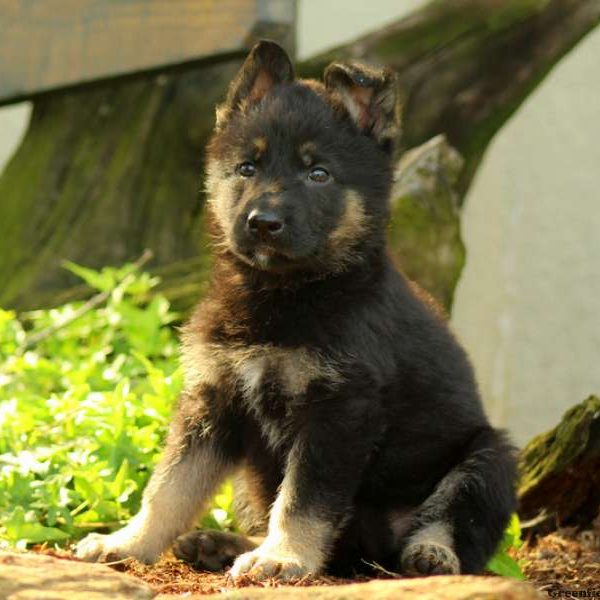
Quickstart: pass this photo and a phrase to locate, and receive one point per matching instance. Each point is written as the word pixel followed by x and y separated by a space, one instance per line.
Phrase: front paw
pixel 116 546
pixel 261 564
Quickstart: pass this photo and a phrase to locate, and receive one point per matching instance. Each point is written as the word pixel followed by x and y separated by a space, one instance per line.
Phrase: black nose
pixel 264 224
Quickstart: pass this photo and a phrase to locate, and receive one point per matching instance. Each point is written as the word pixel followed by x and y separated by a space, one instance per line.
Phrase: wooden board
pixel 48 44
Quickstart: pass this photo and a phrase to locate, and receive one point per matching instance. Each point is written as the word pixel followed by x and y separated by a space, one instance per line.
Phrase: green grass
pixel 84 408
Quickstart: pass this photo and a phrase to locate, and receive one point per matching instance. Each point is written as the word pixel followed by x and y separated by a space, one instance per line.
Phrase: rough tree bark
pixel 105 172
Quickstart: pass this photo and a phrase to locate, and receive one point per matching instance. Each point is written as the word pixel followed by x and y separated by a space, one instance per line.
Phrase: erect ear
pixel 267 65
pixel 369 96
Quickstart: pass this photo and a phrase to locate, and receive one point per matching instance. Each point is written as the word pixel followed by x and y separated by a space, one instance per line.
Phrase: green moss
pixel 427 243
pixel 555 451
pixel 104 173
pixel 424 233
pixel 511 11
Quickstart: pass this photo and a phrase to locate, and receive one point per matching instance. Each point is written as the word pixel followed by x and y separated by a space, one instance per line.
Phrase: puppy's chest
pixel 273 383
pixel 269 382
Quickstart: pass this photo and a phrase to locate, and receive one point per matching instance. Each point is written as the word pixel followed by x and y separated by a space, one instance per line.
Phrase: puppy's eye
pixel 246 169
pixel 319 175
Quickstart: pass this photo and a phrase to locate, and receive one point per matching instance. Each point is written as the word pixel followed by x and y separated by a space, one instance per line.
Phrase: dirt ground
pixel 566 560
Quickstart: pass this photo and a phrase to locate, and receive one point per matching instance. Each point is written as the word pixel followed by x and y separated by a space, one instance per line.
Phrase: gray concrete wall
pixel 528 304
pixel 323 24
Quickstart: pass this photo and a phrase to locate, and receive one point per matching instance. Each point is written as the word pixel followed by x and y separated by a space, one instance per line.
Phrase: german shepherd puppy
pixel 312 366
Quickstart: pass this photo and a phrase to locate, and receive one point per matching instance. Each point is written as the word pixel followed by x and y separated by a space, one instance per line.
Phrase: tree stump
pixel 560 471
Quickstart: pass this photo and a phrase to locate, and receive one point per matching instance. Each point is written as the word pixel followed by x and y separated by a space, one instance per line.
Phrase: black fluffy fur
pixel 402 426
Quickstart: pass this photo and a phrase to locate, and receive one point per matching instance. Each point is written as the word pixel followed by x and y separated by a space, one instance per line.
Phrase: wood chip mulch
pixel 171 576
pixel 567 560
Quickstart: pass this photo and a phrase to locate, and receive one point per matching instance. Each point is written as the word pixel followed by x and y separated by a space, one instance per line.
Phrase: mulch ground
pixel 173 577
pixel 566 560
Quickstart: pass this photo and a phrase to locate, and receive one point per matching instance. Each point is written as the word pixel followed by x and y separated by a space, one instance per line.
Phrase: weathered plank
pixel 49 45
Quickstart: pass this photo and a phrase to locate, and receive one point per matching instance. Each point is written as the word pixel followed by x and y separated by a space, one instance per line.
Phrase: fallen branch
pixel 85 308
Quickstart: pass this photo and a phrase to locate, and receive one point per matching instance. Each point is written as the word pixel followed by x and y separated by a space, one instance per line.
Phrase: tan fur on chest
pixel 291 369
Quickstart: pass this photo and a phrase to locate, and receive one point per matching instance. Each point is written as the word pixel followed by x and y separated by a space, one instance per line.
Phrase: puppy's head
pixel 299 172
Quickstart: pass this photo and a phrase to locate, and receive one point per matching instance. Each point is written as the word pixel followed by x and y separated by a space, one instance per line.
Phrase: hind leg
pixel 430 551
pixel 374 537
pixel 210 550
pixel 457 529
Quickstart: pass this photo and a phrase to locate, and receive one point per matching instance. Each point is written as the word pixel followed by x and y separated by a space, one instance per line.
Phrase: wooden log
pixel 424 234
pixel 560 471
pixel 103 173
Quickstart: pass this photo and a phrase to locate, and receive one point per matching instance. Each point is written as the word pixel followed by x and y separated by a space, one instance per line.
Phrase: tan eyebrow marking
pixel 307 150
pixel 260 146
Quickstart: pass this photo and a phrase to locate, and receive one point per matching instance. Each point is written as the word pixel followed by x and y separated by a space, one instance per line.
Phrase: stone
pixel 30 576
pixel 424 234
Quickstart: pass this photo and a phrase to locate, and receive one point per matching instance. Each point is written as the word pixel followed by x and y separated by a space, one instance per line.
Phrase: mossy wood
pixel 560 471
pixel 105 172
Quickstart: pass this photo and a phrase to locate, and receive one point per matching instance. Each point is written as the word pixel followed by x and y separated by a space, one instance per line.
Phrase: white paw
pixel 263 564
pixel 116 546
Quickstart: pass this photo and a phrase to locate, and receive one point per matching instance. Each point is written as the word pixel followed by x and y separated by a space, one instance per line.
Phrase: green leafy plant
pixel 502 563
pixel 86 391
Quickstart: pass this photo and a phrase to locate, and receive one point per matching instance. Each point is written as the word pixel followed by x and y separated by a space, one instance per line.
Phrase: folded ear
pixel 369 96
pixel 267 65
